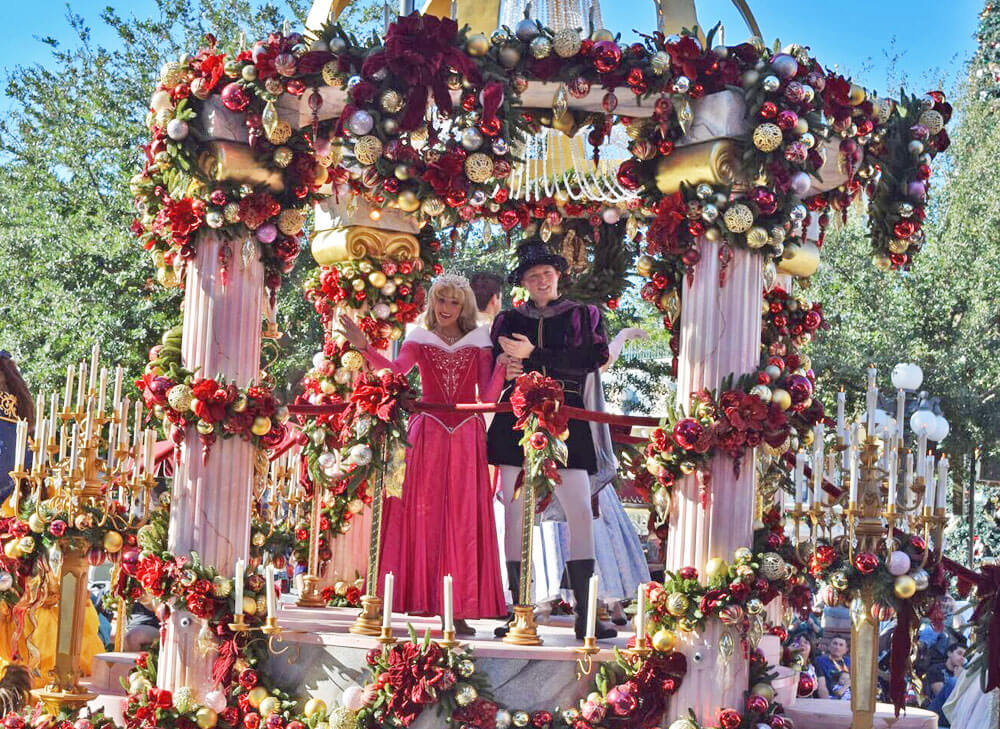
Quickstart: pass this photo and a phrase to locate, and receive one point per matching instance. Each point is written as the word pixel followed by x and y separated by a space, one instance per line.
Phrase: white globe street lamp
pixel 907 376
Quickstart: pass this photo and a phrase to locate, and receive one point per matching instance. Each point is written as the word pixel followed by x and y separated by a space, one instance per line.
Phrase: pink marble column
pixel 210 507
pixel 720 335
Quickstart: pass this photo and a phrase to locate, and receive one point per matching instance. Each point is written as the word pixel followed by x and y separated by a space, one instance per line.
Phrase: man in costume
pixel 564 340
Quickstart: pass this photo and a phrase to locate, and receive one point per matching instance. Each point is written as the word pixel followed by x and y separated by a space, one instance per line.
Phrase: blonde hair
pixel 457 286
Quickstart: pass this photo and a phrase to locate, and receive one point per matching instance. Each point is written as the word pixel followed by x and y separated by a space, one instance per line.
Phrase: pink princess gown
pixel 443 524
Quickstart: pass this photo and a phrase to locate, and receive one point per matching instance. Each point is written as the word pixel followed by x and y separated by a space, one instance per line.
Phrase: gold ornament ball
pixel 755 606
pixel 204 427
pixel 677 603
pixel 602 34
pixel 664 640
pixel 763 689
pixel 898 245
pixel 767 137
pixel 408 202
pixel 221 586
pixel 240 404
pixel 738 218
pixel 368 149
pixel 432 206
pixel 644 266
pixel 757 237
pixel 206 718
pixel 566 42
pixel 716 568
pixel 391 101
pixel 269 705
pixel 179 397
pixel 36 523
pixel 250 608
pixel 261 604
pixel 281 133
pixel 257 695
pixel 509 56
pixel 231 212
pixel 477 44
pixel 291 220
pixel 167 277
pixel 781 398
pixel 772 566
pixel 932 120
pixel 660 63
pixel 377 279
pixel 883 263
pixel 283 156
pixel 355 506
pixel 688 467
pixel 331 74
pixel 762 392
pixel 352 360
pixel 358 284
pixel 743 555
pixel 541 47
pixel 857 95
pixel 12 549
pixel 258 539
pixel 261 425
pixel 314 707
pixel 479 167
pixel 904 587
pixel 113 542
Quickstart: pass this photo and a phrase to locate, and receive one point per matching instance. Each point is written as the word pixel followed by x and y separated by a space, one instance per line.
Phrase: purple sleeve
pixel 589 348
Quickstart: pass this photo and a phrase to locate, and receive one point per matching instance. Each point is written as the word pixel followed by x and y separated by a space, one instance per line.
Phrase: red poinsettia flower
pixel 257 208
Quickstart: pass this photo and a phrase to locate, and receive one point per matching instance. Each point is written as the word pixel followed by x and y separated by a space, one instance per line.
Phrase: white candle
pixel 819 432
pixel 73 447
pixel 81 386
pixel 272 607
pixel 41 428
pixel 20 440
pixel 871 399
pixel 68 395
pixel 841 418
pixel 137 423
pixel 921 453
pixel 116 397
pixel 39 408
pixel 942 487
pixel 95 356
pixel 147 455
pixel 102 390
pixel 387 601
pixel 62 442
pixel 53 412
pixel 900 413
pixel 928 481
pixel 88 429
pixel 592 608
pixel 112 442
pixel 238 580
pixel 892 476
pixel 640 612
pixel 908 476
pixel 853 463
pixel 123 423
pixel 449 605
pixel 799 480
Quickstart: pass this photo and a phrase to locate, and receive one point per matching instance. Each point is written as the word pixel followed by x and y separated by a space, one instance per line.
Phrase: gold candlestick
pixel 448 639
pixel 239 624
pixel 385 636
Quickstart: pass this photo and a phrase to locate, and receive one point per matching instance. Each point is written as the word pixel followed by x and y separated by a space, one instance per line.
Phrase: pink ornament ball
pixel 235 97
pixel 898 563
pixel 267 233
pixel 353 698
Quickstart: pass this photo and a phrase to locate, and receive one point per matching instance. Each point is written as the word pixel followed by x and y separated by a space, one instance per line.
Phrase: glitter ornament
pixel 479 167
pixel 368 149
pixel 391 101
pixel 738 218
pixel 767 137
pixel 566 42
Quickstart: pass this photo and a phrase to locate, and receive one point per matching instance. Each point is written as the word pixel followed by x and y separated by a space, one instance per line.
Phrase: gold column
pixel 63 690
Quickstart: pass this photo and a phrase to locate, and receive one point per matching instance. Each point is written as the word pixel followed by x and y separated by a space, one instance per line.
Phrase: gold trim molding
pixel 344 244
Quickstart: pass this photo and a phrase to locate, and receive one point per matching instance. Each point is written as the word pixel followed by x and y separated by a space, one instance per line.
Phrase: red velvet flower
pixel 257 208
pixel 185 216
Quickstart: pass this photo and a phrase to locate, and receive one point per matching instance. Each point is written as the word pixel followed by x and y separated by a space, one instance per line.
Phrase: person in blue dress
pixel 15 404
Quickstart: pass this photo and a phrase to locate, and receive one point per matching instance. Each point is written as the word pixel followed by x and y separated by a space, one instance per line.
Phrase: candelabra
pixel 69 478
pixel 867 510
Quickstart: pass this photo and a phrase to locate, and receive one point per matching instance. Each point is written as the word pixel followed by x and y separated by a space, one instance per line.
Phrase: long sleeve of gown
pixel 491 376
pixel 403 363
pixel 589 350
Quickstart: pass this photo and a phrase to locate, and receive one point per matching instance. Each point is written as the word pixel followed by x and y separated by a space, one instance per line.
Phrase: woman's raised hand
pixel 353 333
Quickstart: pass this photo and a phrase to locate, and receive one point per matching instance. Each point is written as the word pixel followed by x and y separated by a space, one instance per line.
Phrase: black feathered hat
pixel 533 252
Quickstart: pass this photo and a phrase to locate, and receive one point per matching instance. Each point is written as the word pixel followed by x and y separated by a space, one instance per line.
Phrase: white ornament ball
pixel 898 563
pixel 177 129
pixel 353 698
pixel 360 123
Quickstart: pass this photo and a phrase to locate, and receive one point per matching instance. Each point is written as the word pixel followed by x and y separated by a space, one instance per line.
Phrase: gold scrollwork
pixel 357 241
pixel 712 162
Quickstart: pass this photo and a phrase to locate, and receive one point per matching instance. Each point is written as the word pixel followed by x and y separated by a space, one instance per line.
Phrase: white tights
pixel 574 497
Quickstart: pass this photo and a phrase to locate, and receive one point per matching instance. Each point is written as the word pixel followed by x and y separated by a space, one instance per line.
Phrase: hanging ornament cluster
pixel 793 320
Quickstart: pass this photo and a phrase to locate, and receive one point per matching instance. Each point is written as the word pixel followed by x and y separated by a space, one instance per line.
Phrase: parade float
pixel 711 170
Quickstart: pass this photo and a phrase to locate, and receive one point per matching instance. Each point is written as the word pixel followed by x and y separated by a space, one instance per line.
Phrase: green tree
pixel 943 313
pixel 71 270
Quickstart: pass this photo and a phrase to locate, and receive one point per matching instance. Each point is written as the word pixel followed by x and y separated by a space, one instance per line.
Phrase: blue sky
pixel 931 39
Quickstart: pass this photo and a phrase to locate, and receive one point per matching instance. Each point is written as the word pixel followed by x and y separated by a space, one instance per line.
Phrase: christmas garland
pixel 538 404
pixel 214 408
pixel 183 187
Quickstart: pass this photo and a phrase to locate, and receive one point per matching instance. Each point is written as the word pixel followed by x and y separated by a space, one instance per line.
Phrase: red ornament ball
pixel 235 97
pixel 865 562
pixel 729 719
pixel 757 704
pixel 807 684
pixel 607 56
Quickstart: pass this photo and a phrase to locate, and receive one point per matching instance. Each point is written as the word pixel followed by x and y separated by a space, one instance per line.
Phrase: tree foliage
pixel 72 272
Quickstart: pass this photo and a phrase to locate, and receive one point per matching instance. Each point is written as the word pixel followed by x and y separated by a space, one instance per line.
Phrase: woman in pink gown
pixel 443 524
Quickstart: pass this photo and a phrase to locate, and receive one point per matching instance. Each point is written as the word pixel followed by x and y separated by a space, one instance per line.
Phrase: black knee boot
pixel 514 582
pixel 580 571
